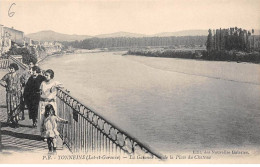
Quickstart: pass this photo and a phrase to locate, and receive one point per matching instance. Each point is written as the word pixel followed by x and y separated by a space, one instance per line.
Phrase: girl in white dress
pixel 48 90
pixel 50 132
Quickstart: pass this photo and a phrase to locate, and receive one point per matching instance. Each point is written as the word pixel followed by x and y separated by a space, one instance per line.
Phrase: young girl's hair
pixel 48 109
pixel 51 72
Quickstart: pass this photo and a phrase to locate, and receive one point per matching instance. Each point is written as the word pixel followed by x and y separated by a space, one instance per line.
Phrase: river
pixel 172 105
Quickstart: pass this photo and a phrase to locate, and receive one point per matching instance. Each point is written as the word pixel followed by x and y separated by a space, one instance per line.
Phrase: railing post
pixel 0 137
pixel 2 66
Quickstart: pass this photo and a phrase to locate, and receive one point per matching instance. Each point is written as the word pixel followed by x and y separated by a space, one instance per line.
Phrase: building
pixel 5 41
pixel 1 30
pixel 46 44
pixel 28 41
pixel 57 44
pixel 15 35
pixel 35 43
pixel 1 37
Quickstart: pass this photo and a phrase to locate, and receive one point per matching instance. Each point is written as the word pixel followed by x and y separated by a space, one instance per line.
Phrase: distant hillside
pixel 183 33
pixel 120 34
pixel 163 34
pixel 54 36
pixel 190 33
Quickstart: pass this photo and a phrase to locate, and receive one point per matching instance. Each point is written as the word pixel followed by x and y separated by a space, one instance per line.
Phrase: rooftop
pixel 13 29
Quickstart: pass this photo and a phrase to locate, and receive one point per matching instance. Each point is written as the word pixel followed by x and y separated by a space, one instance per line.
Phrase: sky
pixel 93 17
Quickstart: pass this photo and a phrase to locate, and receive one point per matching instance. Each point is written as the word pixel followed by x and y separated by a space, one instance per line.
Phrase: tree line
pixel 214 55
pixel 232 39
pixel 93 43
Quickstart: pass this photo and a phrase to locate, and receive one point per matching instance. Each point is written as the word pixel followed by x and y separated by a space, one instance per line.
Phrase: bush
pixel 27 55
pixel 232 56
pixel 29 58
pixel 212 55
pixel 166 53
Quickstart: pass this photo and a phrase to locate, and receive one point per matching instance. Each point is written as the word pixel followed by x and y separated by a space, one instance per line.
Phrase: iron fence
pixel 4 63
pixel 89 132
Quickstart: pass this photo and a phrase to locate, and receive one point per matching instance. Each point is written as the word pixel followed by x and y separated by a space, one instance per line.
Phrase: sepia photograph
pixel 130 82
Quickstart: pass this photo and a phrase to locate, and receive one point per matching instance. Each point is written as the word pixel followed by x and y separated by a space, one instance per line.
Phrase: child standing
pixel 49 127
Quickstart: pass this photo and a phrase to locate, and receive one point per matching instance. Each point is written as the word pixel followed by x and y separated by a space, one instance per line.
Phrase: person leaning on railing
pixel 48 90
pixel 11 81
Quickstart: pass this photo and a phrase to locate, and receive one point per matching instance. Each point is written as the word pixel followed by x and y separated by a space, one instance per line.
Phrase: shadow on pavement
pixel 2 106
pixel 21 135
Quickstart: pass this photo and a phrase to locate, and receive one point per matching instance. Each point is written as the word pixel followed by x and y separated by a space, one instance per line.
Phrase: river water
pixel 172 105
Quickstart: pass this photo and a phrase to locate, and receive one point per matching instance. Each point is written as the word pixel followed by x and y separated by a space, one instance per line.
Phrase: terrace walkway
pixel 25 138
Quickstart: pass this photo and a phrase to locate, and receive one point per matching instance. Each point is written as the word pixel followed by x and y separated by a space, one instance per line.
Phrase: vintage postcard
pixel 130 81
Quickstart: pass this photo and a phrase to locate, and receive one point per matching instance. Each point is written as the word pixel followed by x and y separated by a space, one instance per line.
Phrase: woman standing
pixel 48 95
pixel 24 78
pixel 32 93
pixel 11 81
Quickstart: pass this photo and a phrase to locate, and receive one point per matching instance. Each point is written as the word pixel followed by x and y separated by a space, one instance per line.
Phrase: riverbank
pixel 40 59
pixel 84 51
pixel 253 57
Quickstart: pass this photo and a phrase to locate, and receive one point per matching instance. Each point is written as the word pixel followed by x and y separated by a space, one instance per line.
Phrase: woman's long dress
pixel 13 94
pixel 48 96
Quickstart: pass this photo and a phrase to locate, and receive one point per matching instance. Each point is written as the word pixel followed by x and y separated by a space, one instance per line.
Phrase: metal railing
pixel 89 132
pixel 22 66
pixel 4 63
pixel 0 137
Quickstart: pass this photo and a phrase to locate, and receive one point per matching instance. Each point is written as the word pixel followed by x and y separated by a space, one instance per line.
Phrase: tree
pixel 253 31
pixel 26 54
pixel 209 43
pixel 231 39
